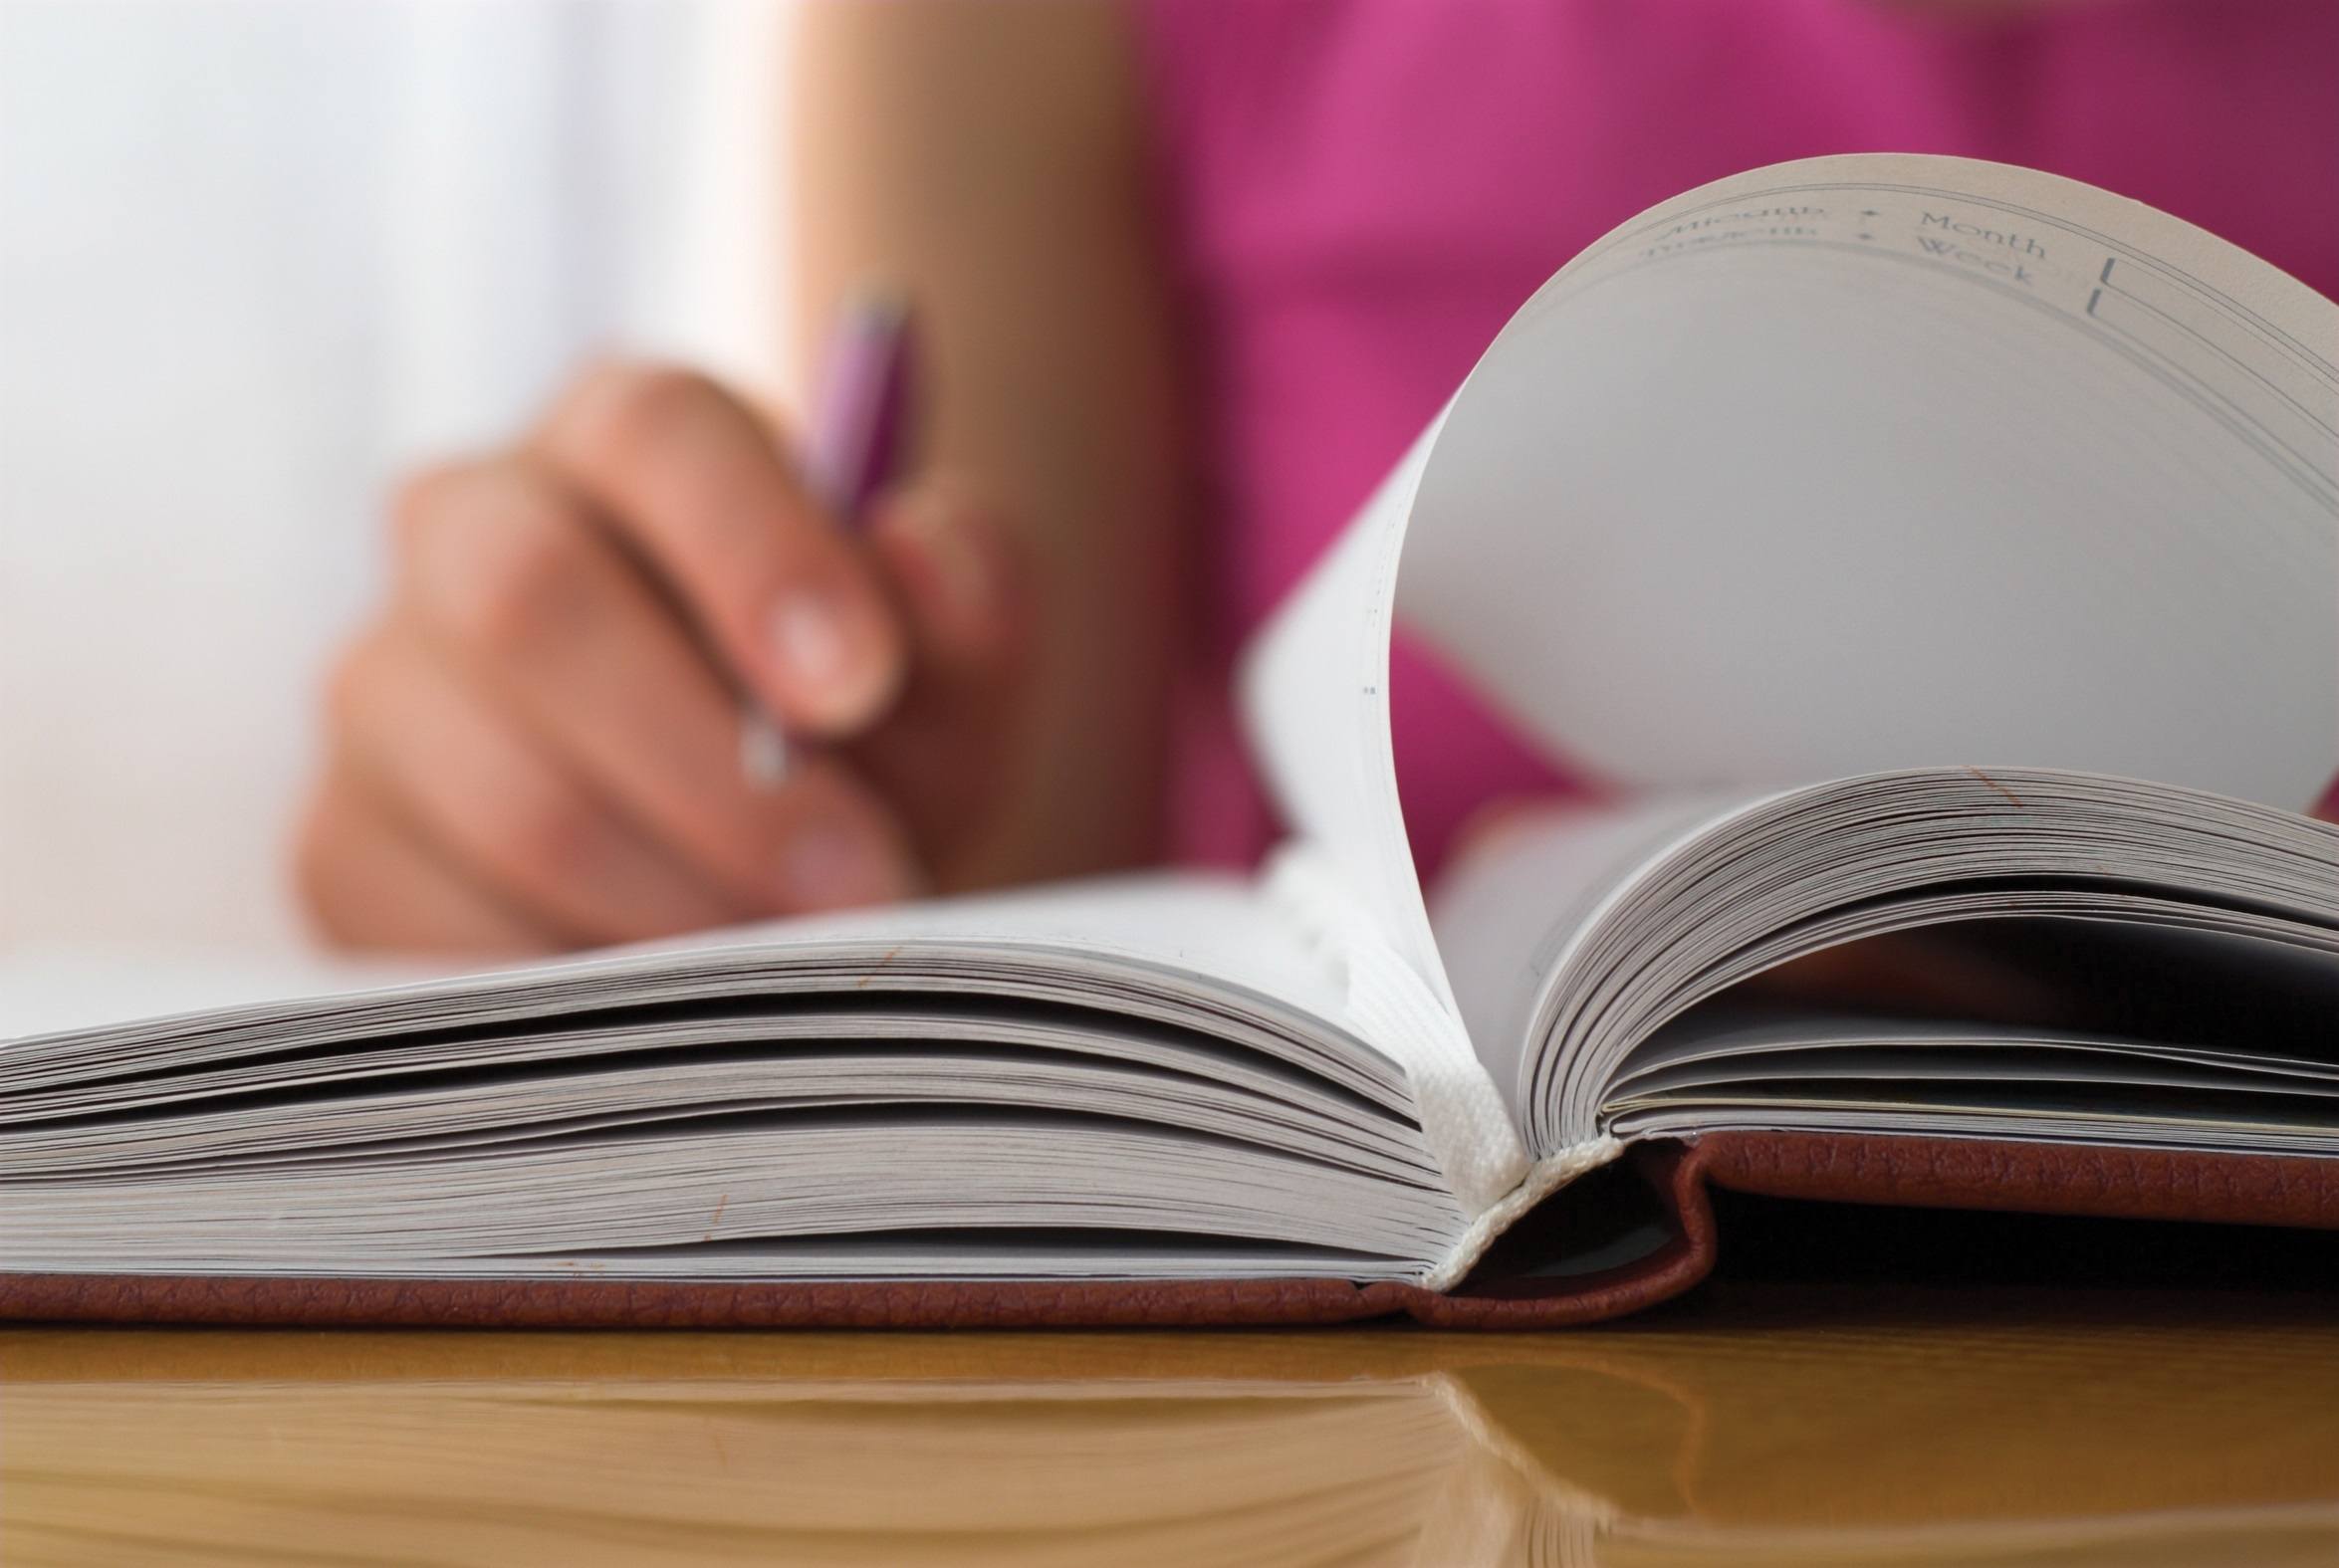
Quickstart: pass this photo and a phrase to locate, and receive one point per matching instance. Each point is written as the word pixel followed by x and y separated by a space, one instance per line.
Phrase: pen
pixel 860 419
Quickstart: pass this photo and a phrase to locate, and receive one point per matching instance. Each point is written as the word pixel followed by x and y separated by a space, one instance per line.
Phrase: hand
pixel 536 745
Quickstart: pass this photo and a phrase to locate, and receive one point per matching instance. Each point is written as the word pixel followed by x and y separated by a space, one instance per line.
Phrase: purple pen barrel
pixel 860 439
pixel 860 422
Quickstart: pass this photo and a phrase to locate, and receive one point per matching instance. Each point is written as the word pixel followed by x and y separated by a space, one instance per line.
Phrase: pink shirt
pixel 1357 193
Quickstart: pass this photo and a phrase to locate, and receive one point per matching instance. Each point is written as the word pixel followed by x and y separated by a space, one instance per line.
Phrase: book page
pixel 1877 462
pixel 1316 695
pixel 1316 691
pixel 1506 912
pixel 1140 1079
pixel 1649 919
pixel 1840 466
pixel 1202 932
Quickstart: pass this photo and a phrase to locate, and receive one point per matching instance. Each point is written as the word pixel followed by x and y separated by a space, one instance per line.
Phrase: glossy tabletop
pixel 1761 1424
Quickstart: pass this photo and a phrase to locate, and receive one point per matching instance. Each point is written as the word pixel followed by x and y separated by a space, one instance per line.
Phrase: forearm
pixel 984 156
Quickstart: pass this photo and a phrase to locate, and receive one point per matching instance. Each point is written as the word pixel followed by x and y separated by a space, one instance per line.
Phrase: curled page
pixel 1844 465
pixel 1318 685
pixel 1316 693
pixel 1882 462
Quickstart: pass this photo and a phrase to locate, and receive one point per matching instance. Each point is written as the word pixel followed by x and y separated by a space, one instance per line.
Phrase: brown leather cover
pixel 1848 1167
pixel 2032 1178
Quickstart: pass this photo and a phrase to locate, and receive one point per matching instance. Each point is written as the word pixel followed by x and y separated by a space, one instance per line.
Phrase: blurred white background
pixel 255 259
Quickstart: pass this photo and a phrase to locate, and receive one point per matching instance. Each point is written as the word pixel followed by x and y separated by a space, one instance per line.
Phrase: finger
pixel 549 612
pixel 370 882
pixel 960 581
pixel 499 805
pixel 2328 806
pixel 955 571
pixel 699 485
pixel 837 845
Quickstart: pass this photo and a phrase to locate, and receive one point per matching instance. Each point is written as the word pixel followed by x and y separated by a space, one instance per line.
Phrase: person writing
pixel 1189 275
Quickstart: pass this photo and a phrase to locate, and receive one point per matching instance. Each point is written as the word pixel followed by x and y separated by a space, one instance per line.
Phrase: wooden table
pixel 1759 1423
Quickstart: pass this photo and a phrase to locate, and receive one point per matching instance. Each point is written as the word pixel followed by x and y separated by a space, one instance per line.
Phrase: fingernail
pixel 831 669
pixel 838 865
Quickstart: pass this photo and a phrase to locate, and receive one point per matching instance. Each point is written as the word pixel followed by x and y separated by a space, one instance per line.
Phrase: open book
pixel 1874 526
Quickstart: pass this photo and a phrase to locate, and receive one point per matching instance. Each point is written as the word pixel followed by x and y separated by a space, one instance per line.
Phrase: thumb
pixel 2328 806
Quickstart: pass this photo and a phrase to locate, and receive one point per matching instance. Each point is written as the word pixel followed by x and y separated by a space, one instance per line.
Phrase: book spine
pixel 1464 1121
pixel 1544 1178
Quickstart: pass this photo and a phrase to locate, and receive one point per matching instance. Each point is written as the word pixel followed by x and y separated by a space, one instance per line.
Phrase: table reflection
pixel 1761 1425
